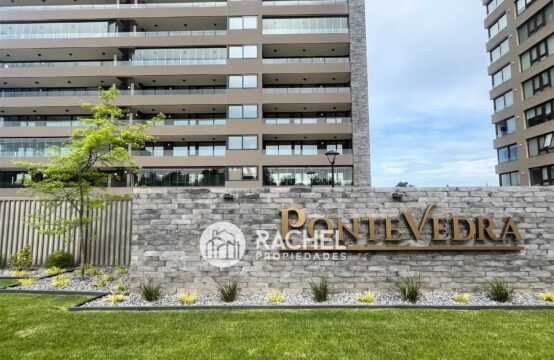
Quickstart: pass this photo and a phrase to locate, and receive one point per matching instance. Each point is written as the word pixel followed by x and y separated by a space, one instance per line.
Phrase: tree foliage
pixel 404 184
pixel 77 174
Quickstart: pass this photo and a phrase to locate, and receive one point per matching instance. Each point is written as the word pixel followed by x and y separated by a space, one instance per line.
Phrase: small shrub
pixel 276 297
pixel 187 298
pixel 410 289
pixel 366 297
pixel 150 290
pixel 108 277
pixel 115 298
pixel 461 298
pixel 100 283
pixel 320 289
pixel 60 281
pixel 28 282
pixel 228 291
pixel 21 260
pixel 499 291
pixel 59 259
pixel 92 271
pixel 54 270
pixel 547 296
pixel 122 270
pixel 19 273
pixel 119 288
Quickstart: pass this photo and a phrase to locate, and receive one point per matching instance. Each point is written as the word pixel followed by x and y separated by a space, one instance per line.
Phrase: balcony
pixel 113 6
pixel 111 63
pixel 307 90
pixel 113 34
pixel 306 60
pixel 95 92
pixel 303 2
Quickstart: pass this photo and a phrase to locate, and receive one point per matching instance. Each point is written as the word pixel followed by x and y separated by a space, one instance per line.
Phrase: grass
pixel 6 282
pixel 40 327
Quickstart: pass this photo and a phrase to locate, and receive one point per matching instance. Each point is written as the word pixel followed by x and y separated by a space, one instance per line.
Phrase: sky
pixel 428 93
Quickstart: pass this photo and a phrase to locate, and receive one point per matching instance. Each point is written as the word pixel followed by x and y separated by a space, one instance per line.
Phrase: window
pixel 498 26
pixel 538 52
pixel 245 173
pixel 243 81
pixel 501 50
pixel 243 22
pixel 506 127
pixel 502 75
pixel 242 111
pixel 306 25
pixel 491 6
pixel 180 177
pixel 540 114
pixel 306 176
pixel 536 22
pixel 242 142
pixel 507 153
pixel 504 101
pixel 509 179
pixel 542 176
pixel 538 83
pixel 522 5
pixel 541 145
pixel 243 52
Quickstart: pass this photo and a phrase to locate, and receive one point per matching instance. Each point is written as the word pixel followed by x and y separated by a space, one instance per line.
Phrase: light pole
pixel 332 156
pixel 311 175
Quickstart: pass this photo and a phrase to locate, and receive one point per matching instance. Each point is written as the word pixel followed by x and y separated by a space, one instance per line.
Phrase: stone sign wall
pixel 468 237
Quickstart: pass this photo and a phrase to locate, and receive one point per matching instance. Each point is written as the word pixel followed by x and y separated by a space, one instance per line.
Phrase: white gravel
pixel 38 272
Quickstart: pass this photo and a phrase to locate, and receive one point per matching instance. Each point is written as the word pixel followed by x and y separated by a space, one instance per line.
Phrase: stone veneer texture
pixel 168 222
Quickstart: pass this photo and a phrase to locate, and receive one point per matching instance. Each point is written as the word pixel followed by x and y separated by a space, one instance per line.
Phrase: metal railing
pixel 305 31
pixel 307 90
pixel 182 122
pixel 91 92
pixel 307 60
pixel 40 123
pixel 107 63
pixel 307 121
pixel 303 2
pixel 114 34
pixel 114 6
pixel 291 152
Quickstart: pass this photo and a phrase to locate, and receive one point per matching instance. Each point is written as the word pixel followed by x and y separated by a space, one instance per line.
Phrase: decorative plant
pixel 60 281
pixel 320 289
pixel 21 260
pixel 547 296
pixel 119 288
pixel 187 298
pixel 19 274
pixel 115 298
pixel 499 291
pixel 461 298
pixel 108 277
pixel 100 283
pixel 228 291
pixel 54 270
pixel 366 297
pixel 410 289
pixel 150 290
pixel 276 297
pixel 28 282
pixel 122 270
pixel 92 271
pixel 60 259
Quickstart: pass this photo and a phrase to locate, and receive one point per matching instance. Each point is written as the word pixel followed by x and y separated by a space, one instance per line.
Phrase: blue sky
pixel 428 93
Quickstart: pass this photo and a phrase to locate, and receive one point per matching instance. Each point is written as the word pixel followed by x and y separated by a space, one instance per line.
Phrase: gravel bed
pixel 78 284
pixel 38 272
pixel 435 299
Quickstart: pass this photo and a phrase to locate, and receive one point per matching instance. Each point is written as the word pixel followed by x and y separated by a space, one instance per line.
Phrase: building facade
pixel 254 92
pixel 521 49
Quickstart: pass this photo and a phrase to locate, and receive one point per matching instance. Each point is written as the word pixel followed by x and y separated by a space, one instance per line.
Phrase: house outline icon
pixel 223 245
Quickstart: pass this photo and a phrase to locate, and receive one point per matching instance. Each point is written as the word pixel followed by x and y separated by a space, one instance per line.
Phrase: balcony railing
pixel 183 122
pixel 174 91
pixel 303 2
pixel 290 31
pixel 315 152
pixel 26 93
pixel 307 121
pixel 75 64
pixel 113 6
pixel 307 60
pixel 307 90
pixel 40 123
pixel 114 34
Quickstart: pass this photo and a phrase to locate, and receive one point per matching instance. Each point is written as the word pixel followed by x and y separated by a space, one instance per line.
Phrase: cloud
pixel 428 93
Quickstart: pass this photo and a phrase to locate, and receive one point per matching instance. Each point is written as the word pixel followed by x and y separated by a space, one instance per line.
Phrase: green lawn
pixel 40 327
pixel 6 282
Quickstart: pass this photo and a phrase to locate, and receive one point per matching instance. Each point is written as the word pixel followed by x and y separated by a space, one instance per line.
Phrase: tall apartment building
pixel 254 92
pixel 521 48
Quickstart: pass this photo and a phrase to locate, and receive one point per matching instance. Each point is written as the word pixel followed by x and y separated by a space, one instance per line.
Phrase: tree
pixel 76 175
pixel 404 184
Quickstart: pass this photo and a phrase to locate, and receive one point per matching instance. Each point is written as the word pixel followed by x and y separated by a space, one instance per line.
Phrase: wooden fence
pixel 111 232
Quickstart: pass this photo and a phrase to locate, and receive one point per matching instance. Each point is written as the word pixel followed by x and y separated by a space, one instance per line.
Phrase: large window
pixel 502 49
pixel 242 142
pixel 306 147
pixel 242 111
pixel 506 127
pixel 244 173
pixel 540 145
pixel 502 75
pixel 536 22
pixel 498 25
pixel 30 147
pixel 509 179
pixel 504 101
pixel 542 175
pixel 522 5
pixel 312 25
pixel 540 114
pixel 243 81
pixel 214 148
pixel 182 56
pixel 538 83
pixel 491 6
pixel 507 153
pixel 306 176
pixel 243 52
pixel 537 53
pixel 243 22
pixel 57 29
pixel 180 177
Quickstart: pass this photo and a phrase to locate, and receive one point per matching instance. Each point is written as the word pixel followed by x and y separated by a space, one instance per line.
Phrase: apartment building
pixel 521 48
pixel 254 92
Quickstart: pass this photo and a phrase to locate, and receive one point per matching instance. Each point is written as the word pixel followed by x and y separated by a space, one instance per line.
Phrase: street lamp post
pixel 311 176
pixel 332 157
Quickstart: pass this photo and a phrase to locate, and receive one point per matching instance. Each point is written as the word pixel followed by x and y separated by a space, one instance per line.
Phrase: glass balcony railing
pixel 307 121
pixel 40 123
pixel 302 2
pixel 206 91
pixel 113 34
pixel 75 64
pixel 307 90
pixel 114 6
pixel 183 122
pixel 303 152
pixel 307 60
pixel 94 92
